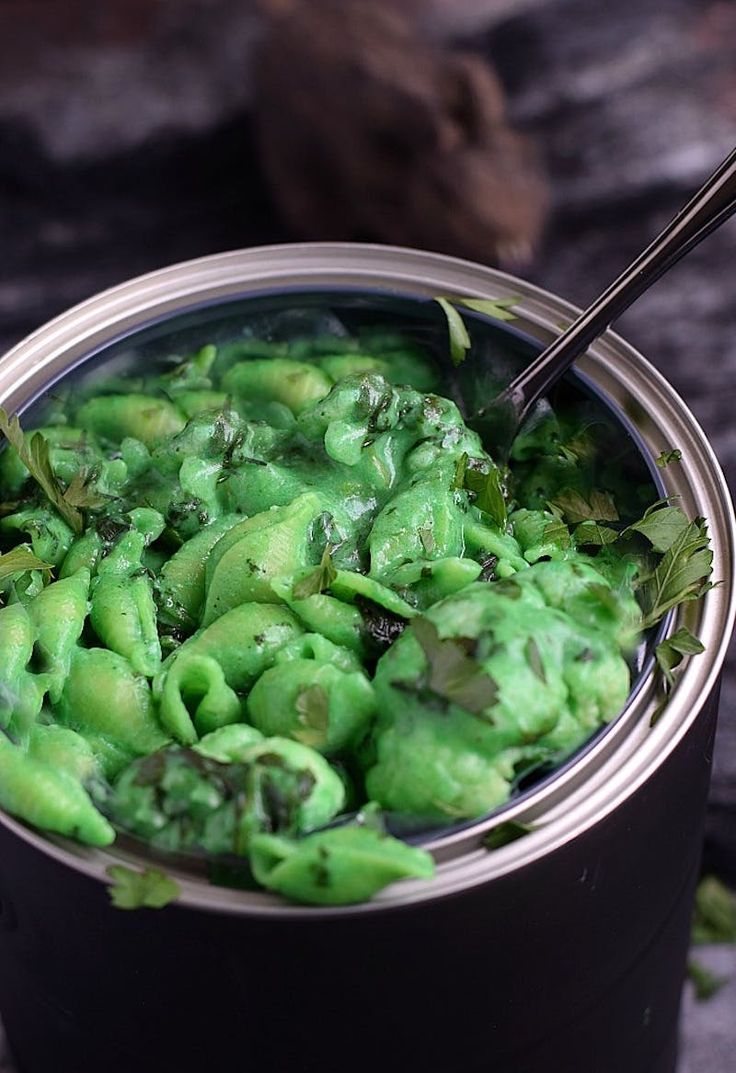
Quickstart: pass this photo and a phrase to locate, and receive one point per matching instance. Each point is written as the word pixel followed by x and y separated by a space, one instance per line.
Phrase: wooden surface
pixel 131 148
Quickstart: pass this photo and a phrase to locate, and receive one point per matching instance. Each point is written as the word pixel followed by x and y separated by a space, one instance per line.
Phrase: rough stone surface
pixel 129 148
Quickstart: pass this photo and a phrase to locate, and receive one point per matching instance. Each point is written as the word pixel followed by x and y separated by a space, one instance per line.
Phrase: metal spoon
pixel 500 419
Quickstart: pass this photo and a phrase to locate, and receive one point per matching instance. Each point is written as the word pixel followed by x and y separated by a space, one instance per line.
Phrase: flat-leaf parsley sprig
pixel 681 574
pixel 670 557
pixel 35 456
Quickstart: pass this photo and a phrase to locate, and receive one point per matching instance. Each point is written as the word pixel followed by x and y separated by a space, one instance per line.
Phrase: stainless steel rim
pixel 625 757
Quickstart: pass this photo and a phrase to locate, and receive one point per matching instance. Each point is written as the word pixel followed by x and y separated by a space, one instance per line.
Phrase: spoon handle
pixel 707 210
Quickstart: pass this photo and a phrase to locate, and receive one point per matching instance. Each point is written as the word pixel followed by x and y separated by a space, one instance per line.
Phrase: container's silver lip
pixel 624 758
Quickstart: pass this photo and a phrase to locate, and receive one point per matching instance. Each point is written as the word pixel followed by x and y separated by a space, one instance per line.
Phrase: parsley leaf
pixel 453 673
pixel 135 890
pixel 666 457
pixel 714 918
pixel 489 495
pixel 681 575
pixel 592 533
pixel 458 481
pixel 81 491
pixel 320 579
pixel 459 338
pixel 580 448
pixel 312 705
pixel 19 560
pixel 35 457
pixel 705 983
pixel 556 532
pixel 661 524
pixel 599 507
pixel 671 651
pixel 505 833
pixel 486 487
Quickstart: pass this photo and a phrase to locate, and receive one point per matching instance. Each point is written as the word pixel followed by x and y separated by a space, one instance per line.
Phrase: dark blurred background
pixel 552 137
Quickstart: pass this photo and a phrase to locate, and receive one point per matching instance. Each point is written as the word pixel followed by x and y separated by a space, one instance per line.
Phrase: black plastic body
pixel 572 964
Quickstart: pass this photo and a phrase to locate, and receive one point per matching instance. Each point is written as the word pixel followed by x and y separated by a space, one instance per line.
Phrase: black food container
pixel 562 951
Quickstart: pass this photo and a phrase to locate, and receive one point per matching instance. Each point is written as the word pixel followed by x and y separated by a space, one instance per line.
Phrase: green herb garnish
pixel 486 488
pixel 682 574
pixel 598 507
pixel 320 579
pixel 666 457
pixel 82 493
pixel 671 651
pixel 591 533
pixel 661 525
pixel 453 673
pixel 150 889
pixel 312 704
pixel 459 338
pixel 458 481
pixel 714 918
pixel 556 532
pixel 20 559
pixel 35 457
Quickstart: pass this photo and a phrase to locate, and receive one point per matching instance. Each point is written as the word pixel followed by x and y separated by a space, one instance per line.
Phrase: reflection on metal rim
pixel 623 758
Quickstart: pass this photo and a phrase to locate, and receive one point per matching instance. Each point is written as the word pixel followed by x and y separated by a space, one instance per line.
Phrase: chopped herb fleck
pixel 486 487
pixel 556 532
pixel 150 889
pixel 319 580
pixel 453 674
pixel 81 492
pixel 671 651
pixel 426 536
pixel 665 458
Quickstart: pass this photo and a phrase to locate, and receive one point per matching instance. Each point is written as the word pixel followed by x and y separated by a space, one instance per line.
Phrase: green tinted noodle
pixel 271 597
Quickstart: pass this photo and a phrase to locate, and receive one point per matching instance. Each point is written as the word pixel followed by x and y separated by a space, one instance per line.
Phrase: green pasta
pixel 303 590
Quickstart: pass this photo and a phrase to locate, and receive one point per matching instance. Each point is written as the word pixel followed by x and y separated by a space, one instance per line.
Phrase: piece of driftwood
pixel 369 131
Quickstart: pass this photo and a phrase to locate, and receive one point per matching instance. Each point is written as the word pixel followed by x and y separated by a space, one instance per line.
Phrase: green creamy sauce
pixel 301 590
